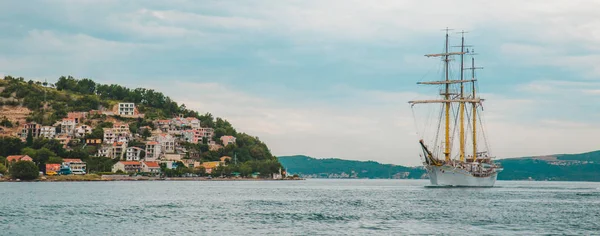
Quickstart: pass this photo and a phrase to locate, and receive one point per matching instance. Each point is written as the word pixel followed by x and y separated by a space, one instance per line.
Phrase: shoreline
pixel 106 178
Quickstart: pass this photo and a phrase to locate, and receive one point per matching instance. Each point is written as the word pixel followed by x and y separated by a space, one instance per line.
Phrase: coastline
pixel 96 178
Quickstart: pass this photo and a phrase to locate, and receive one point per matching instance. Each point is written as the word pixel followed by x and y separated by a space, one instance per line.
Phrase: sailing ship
pixel 460 113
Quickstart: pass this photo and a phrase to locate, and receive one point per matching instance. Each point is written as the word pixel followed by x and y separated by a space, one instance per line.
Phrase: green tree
pixel 6 123
pixel 200 170
pixel 86 86
pixel 25 170
pixel 43 155
pixel 207 120
pixel 2 169
pixel 245 170
pixel 10 146
pixel 29 139
pixel 99 164
pixel 54 160
pixel 146 133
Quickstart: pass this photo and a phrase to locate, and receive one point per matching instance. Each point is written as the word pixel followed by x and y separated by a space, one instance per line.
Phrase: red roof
pixel 19 158
pixel 152 143
pixel 68 160
pixel 130 162
pixel 152 164
pixel 117 144
pixel 52 167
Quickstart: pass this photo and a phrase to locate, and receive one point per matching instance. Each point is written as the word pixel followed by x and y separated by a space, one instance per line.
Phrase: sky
pixel 328 78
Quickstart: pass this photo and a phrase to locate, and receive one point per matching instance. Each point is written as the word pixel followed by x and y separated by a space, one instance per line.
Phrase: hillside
pixel 309 167
pixel 560 167
pixel 193 136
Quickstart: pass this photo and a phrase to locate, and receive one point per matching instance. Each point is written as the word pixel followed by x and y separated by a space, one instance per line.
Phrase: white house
pixel 153 150
pixel 193 122
pixel 118 133
pixel 82 130
pixel 115 150
pixel 127 109
pixel 48 132
pixel 167 142
pixel 67 126
pixel 127 166
pixel 77 166
pixel 105 151
pixel 151 167
pixel 133 153
pixel 207 132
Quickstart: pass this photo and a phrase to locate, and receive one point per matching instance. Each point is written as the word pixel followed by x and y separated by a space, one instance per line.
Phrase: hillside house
pixel 64 139
pixel 32 127
pixel 105 151
pixel 118 133
pixel 126 109
pixel 15 158
pixel 210 166
pixel 212 146
pixel 151 167
pixel 153 150
pixel 118 150
pixel 225 159
pixel 127 166
pixel 67 126
pixel 192 136
pixel 227 139
pixel 48 132
pixel 78 117
pixel 193 122
pixel 133 153
pixel 82 130
pixel 207 133
pixel 94 141
pixel 167 142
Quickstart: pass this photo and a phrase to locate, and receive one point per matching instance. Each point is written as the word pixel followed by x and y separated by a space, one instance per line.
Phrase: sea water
pixel 309 207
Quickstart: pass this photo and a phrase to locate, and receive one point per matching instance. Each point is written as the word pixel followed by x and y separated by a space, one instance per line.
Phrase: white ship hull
pixel 450 176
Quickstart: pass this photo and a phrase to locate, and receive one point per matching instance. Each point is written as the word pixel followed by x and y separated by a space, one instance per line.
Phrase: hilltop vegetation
pixel 561 167
pixel 49 103
pixel 338 168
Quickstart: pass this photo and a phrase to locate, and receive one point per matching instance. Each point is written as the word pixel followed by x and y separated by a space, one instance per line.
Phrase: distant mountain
pixel 561 167
pixel 309 167
pixel 558 167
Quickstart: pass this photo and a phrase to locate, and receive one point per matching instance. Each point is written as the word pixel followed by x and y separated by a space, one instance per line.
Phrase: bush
pixel 6 123
pixel 2 169
pixel 25 170
pixel 105 173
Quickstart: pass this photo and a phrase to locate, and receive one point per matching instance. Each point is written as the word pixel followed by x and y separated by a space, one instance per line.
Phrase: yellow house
pixel 223 158
pixel 210 165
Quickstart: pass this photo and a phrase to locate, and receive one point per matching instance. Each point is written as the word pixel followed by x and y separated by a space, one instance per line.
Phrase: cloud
pixel 327 78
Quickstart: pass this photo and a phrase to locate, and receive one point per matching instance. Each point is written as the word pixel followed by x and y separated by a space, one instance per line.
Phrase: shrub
pixel 25 170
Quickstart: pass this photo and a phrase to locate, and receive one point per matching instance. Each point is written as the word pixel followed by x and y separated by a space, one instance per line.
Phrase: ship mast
pixel 447 104
pixel 473 68
pixel 462 104
pixel 446 99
